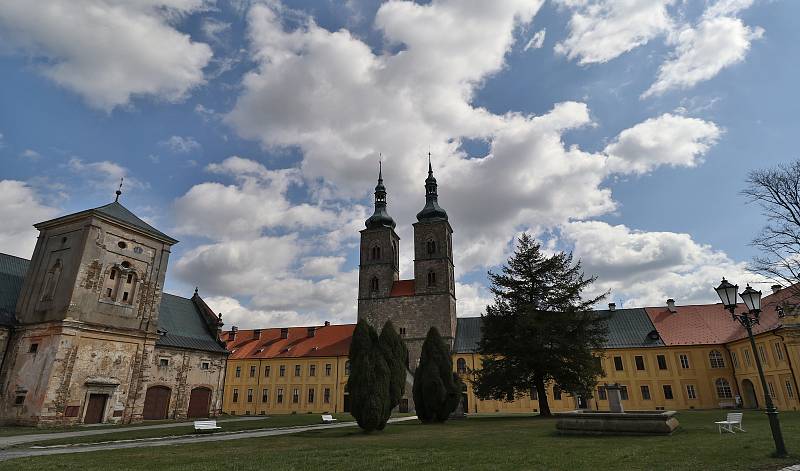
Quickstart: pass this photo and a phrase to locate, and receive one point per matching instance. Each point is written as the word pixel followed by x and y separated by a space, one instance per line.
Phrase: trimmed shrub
pixel 436 390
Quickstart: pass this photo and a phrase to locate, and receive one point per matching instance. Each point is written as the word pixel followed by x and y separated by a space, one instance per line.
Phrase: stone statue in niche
pixel 52 278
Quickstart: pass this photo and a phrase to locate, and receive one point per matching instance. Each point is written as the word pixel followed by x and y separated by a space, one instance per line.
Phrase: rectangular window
pixel 130 278
pixel 311 395
pixel 297 370
pixel 598 362
pixel 789 389
pixel 556 393
pixel 762 352
pixel 163 362
pixel 235 395
pixel 108 291
pixel 113 274
pixel 312 370
pixel 265 395
pixel 778 351
pixel 747 357
pixel 684 361
pixel 667 391
pixel 662 362
pixel 249 395
pixel 601 393
pixel 125 296
pixel 282 371
pixel 266 371
pixel 295 396
pixel 238 371
pixel 252 371
pixel 618 363
pixel 646 393
pixel 639 362
pixel 326 395
pixel 771 389
pixel 33 348
pixel 19 399
pixel 735 360
pixel 623 393
pixel 402 331
pixel 690 391
pixel 204 365
pixel 280 395
pixel 327 369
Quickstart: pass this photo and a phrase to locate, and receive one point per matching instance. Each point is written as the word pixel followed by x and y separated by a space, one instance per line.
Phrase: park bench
pixel 734 420
pixel 328 419
pixel 206 426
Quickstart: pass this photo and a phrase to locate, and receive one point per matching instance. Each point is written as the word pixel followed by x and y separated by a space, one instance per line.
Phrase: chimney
pixel 612 307
pixel 257 333
pixel 312 331
pixel 232 334
pixel 327 323
pixel 284 332
pixel 776 288
pixel 671 305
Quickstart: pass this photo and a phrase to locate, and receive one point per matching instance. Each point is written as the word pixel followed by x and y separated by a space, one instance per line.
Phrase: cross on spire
pixel 119 190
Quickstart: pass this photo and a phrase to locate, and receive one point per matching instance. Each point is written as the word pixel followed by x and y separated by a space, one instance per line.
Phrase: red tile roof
pixel 328 341
pixel 705 324
pixel 402 288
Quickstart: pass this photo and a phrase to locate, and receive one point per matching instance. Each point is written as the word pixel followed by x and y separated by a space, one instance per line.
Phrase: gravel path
pixel 150 442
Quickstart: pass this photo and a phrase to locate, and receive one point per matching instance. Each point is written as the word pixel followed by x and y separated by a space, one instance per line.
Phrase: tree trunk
pixel 544 407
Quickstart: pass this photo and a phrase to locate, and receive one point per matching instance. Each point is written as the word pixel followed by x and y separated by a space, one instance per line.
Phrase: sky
pixel 251 131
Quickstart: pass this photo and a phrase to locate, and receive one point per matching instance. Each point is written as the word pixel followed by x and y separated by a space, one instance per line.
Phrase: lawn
pixel 476 443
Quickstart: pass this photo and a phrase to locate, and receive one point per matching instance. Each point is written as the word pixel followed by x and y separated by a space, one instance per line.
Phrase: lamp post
pixel 752 299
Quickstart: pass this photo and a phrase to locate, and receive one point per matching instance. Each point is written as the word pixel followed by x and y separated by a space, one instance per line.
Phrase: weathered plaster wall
pixel 183 373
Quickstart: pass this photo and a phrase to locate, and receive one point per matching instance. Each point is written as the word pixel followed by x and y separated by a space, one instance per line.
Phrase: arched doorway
pixel 156 403
pixel 199 403
pixel 749 399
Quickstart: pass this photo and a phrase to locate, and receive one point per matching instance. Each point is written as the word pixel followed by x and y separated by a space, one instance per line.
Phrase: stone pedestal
pixel 613 391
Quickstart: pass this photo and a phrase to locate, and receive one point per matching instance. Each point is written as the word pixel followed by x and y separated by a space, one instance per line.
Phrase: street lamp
pixel 752 299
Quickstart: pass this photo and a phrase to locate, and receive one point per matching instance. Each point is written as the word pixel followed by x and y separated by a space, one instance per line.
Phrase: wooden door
pixel 156 403
pixel 95 409
pixel 199 403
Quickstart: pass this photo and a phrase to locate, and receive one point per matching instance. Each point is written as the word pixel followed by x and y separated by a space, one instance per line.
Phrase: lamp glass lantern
pixel 752 299
pixel 727 294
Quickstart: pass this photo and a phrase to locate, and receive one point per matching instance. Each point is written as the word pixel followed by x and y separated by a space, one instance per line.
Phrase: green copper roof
pixel 12 274
pixel 181 325
pixel 116 212
pixel 627 328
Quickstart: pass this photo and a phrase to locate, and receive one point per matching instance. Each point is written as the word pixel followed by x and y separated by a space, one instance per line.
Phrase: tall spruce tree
pixel 369 379
pixel 436 393
pixel 540 328
pixel 396 355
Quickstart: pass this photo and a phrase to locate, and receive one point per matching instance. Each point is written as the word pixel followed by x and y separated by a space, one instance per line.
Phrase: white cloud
pixel 537 40
pixel 601 30
pixel 322 266
pixel 472 299
pixel 701 52
pixel 181 145
pixel 645 268
pixel 22 207
pixel 30 154
pixel 109 51
pixel 104 175
pixel 665 140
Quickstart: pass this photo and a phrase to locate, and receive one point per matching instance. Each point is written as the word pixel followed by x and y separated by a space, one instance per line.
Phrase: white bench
pixel 328 419
pixel 734 420
pixel 206 425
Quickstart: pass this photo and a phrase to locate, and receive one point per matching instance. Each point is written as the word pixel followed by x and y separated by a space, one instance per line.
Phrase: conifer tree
pixel 436 393
pixel 396 355
pixel 369 379
pixel 540 329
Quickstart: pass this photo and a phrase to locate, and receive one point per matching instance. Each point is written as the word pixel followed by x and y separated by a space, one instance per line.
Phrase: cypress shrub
pixel 436 391
pixel 396 355
pixel 369 379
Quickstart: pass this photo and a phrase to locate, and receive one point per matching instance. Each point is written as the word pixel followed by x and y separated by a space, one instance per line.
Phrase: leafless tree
pixel 777 191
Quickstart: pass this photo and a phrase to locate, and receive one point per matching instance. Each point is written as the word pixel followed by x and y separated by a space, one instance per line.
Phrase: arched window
pixel 374 284
pixel 431 278
pixel 431 246
pixel 347 368
pixel 715 357
pixel 723 388
pixel 376 253
pixel 461 366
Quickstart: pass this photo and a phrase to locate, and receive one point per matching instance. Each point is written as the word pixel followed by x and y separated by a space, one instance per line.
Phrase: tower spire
pixel 432 210
pixel 380 218
pixel 119 190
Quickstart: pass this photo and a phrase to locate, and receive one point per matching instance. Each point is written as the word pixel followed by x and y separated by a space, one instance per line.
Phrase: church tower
pixel 433 261
pixel 379 258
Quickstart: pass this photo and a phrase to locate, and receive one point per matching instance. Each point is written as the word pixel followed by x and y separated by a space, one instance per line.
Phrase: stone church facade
pixel 415 305
pixel 89 336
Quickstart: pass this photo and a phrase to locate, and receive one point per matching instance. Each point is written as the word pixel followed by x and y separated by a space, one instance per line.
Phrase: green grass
pixel 476 443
